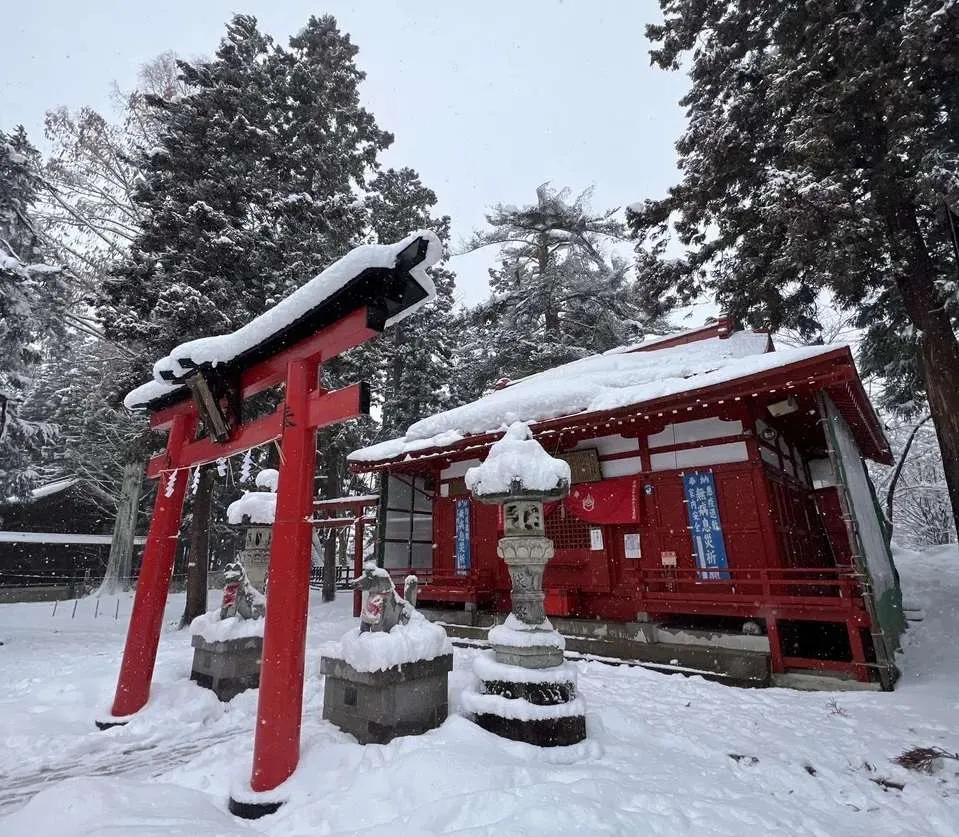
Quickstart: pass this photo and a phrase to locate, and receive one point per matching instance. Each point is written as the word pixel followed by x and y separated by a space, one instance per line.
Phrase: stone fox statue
pixel 240 597
pixel 383 607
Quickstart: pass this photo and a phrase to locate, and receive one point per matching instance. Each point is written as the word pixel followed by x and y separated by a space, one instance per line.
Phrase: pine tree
pixel 415 355
pixel 96 439
pixel 557 295
pixel 822 141
pixel 250 190
pixel 31 295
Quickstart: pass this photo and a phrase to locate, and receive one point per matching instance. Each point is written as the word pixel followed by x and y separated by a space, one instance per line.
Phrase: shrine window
pixel 407 509
pixel 567 531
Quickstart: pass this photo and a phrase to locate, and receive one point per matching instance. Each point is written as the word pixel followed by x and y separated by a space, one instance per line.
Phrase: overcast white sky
pixel 487 98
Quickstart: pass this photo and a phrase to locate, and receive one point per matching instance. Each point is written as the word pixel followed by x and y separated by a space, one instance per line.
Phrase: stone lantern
pixel 257 511
pixel 255 555
pixel 527 666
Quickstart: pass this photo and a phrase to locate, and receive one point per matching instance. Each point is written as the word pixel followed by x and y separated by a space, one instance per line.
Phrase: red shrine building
pixel 720 517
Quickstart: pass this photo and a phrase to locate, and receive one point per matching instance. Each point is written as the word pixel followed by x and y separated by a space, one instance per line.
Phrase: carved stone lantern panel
pixel 523 518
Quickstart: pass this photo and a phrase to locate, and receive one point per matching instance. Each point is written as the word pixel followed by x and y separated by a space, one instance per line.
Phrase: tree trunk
pixel 329 566
pixel 120 562
pixel 938 347
pixel 940 370
pixel 199 557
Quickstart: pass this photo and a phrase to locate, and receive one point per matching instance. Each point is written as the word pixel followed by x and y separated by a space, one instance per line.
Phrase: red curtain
pixel 608 501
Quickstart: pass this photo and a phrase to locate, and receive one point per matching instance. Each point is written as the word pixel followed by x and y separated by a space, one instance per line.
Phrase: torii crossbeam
pixel 202 386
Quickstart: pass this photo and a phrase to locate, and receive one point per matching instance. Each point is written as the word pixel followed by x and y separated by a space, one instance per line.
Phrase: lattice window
pixel 567 531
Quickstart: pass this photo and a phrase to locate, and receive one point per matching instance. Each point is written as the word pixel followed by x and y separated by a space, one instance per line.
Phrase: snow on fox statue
pixel 383 607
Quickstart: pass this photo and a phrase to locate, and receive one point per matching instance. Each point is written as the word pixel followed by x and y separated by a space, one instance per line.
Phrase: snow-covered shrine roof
pixel 626 377
pixel 372 274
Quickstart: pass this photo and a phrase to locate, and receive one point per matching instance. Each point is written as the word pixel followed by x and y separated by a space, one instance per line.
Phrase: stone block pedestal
pixel 378 706
pixel 227 667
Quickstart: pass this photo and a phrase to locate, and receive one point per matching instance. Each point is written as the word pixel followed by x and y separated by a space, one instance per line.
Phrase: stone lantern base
pixel 537 706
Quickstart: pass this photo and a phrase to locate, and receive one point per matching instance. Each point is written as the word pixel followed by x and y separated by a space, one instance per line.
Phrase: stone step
pixel 732 666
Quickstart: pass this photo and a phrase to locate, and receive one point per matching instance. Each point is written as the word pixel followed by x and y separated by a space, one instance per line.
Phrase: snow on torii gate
pixel 207 380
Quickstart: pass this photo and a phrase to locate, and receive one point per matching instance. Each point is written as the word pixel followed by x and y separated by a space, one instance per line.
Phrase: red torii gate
pixel 352 314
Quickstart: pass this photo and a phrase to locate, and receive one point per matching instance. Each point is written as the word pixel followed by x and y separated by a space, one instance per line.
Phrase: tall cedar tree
pixel 415 355
pixel 556 293
pixel 823 138
pixel 31 295
pixel 250 190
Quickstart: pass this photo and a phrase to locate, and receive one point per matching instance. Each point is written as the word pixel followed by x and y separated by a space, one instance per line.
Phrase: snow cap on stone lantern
pixel 518 467
pixel 256 507
pixel 268 478
pixel 520 475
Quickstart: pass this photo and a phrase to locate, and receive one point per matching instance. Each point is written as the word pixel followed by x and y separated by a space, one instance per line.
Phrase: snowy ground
pixel 669 755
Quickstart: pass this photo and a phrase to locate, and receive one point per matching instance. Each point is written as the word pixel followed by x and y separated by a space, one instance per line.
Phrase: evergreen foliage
pixel 823 138
pixel 31 295
pixel 414 356
pixel 87 215
pixel 261 174
pixel 250 190
pixel 557 294
pixel 96 438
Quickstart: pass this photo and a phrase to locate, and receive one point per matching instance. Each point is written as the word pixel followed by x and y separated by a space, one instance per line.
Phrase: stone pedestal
pixel 536 706
pixel 378 706
pixel 227 667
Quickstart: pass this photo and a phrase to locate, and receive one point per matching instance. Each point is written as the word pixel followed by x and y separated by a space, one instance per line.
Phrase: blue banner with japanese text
pixel 705 528
pixel 463 536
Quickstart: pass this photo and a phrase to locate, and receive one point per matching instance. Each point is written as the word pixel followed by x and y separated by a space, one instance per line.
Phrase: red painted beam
pixel 353 330
pixel 204 450
pixel 327 408
pixel 162 419
pixel 324 408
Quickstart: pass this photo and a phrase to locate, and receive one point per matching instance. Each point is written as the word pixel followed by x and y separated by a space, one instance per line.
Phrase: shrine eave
pixel 833 372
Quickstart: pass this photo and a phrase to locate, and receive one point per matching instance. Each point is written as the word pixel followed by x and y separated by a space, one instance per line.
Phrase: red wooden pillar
pixel 276 747
pixel 776 662
pixel 143 634
pixel 858 651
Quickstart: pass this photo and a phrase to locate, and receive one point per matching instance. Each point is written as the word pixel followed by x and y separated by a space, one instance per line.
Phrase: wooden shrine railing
pixel 818 590
pixel 445 585
pixel 832 588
